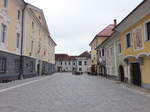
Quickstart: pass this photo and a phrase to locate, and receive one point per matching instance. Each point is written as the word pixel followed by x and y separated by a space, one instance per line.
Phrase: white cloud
pixel 74 23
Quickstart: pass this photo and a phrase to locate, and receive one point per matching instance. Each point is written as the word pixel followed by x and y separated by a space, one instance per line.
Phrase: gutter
pixel 21 50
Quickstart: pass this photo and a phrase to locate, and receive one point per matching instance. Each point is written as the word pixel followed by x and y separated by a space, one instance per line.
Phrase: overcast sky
pixel 74 23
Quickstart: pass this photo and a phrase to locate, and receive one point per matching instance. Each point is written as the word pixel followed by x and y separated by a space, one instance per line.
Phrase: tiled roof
pixel 85 54
pixel 61 57
pixel 66 57
pixel 72 57
pixel 106 32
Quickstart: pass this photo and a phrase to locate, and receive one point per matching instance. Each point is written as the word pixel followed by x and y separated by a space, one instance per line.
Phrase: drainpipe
pixel 21 50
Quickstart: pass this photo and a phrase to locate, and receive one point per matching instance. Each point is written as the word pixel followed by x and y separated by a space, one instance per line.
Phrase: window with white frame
pixel 119 48
pixel 128 40
pixel 80 69
pixel 103 52
pixel 80 63
pixel 18 41
pixel 18 14
pixel 148 30
pixel 85 62
pixel 4 32
pixel 100 53
pixel 5 3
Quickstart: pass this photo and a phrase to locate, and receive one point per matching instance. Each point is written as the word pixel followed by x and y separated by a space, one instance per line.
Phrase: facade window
pixel 119 48
pixel 18 40
pixel 60 63
pixel 5 3
pixel 32 25
pixel 85 63
pixel 65 63
pixel 148 30
pixel 2 65
pixel 100 53
pixel 128 40
pixel 80 69
pixel 69 63
pixel 80 63
pixel 31 66
pixel 17 65
pixel 4 32
pixel 40 17
pixel 74 63
pixel 92 61
pixel 19 14
pixel 32 43
pixel 103 52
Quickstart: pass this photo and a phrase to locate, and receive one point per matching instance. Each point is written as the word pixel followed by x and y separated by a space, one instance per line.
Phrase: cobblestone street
pixel 64 92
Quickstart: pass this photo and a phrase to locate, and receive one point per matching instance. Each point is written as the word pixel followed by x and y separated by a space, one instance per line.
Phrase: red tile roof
pixel 106 32
pixel 66 57
pixel 72 57
pixel 61 57
pixel 85 54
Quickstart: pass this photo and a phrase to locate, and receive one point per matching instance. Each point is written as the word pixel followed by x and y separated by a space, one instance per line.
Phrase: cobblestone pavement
pixel 64 92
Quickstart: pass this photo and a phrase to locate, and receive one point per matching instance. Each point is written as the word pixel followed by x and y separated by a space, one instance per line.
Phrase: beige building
pixel 11 25
pixel 98 39
pixel 26 47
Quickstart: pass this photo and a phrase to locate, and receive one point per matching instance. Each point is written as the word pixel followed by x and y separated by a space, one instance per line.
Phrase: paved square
pixel 64 92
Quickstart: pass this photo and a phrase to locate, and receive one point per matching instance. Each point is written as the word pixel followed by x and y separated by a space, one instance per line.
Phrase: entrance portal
pixel 59 69
pixel 38 69
pixel 121 73
pixel 136 74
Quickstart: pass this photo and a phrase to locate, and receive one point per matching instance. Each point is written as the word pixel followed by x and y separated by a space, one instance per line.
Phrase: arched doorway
pixel 121 73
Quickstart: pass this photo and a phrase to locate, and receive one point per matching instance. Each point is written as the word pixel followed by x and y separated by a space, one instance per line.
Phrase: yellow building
pixel 99 38
pixel 135 44
pixel 37 43
pixel 10 38
pixel 25 41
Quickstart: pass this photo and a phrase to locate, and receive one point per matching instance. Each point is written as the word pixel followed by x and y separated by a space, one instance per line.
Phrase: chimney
pixel 115 22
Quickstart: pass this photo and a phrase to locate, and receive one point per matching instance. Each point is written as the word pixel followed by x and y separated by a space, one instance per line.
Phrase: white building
pixel 82 64
pixel 66 63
